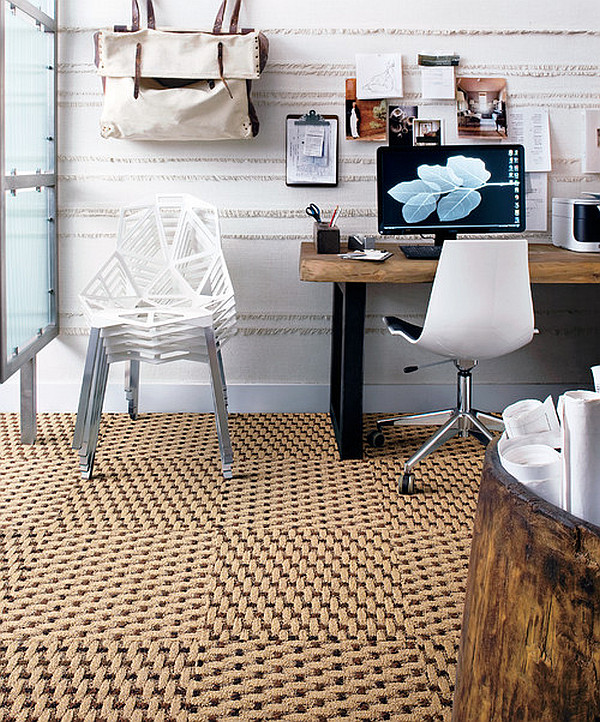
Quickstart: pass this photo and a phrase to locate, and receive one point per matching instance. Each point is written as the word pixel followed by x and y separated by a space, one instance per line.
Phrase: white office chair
pixel 164 295
pixel 480 307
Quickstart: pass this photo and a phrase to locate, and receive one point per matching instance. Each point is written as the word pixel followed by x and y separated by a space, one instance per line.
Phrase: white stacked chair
pixel 164 295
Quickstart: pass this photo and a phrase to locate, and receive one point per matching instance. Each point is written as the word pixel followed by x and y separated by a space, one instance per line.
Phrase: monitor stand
pixel 423 251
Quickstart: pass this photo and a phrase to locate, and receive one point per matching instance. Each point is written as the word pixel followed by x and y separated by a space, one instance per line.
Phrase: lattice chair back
pixel 141 243
pixel 166 279
pixel 164 295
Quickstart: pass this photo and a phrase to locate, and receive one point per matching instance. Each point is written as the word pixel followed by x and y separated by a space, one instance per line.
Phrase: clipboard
pixel 311 142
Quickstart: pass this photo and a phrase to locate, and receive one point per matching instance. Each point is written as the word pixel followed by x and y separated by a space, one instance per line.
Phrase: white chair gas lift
pixel 480 307
pixel 164 295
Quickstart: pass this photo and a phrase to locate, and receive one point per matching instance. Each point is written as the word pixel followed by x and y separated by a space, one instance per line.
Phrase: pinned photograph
pixel 365 119
pixel 427 132
pixel 400 124
pixel 481 107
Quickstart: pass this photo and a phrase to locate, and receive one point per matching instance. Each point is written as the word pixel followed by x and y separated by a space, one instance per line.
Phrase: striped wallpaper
pixel 550 59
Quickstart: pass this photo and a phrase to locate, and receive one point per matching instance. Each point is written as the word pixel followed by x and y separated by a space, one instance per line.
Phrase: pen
pixel 334 216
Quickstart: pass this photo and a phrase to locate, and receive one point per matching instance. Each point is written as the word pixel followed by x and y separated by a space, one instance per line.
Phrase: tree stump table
pixel 530 641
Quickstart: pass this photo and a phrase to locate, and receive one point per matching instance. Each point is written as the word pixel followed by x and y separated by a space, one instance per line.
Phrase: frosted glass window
pixel 29 305
pixel 29 95
pixel 46 6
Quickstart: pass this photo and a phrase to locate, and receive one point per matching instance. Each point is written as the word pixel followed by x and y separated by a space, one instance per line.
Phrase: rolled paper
pixel 596 377
pixel 580 417
pixel 538 466
pixel 530 416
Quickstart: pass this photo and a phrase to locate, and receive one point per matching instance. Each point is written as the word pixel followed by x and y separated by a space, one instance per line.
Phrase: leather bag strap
pixel 235 15
pixel 217 27
pixel 135 15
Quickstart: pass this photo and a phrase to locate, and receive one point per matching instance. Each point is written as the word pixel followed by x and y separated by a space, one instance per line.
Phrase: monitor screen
pixel 451 189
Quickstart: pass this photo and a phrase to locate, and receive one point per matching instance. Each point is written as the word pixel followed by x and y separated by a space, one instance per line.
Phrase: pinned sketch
pixel 378 75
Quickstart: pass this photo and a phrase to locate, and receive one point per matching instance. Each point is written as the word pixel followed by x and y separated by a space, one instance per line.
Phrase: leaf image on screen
pixel 451 190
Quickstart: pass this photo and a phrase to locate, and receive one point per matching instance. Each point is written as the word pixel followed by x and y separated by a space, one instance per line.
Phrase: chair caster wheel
pixel 406 484
pixel 376 439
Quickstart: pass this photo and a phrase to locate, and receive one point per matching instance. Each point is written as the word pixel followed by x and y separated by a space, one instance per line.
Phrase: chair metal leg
pixel 445 432
pixel 132 385
pixel 86 387
pixel 220 404
pixel 476 427
pixel 491 420
pixel 88 453
pixel 223 380
pixel 90 404
pixel 428 418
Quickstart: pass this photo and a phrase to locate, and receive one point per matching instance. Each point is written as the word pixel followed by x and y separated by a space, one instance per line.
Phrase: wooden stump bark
pixel 530 640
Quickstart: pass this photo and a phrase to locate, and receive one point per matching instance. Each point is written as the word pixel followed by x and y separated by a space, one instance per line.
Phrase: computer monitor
pixel 445 190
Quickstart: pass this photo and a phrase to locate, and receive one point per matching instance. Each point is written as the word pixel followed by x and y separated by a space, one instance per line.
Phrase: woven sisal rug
pixel 304 589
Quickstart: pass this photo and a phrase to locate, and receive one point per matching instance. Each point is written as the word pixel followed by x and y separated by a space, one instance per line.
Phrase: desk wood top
pixel 547 264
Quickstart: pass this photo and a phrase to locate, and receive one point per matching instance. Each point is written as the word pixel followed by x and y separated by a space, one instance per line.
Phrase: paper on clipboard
pixel 311 150
pixel 314 141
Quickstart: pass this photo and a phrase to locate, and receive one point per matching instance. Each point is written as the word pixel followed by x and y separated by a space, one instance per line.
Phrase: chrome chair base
pixel 463 420
pixel 93 390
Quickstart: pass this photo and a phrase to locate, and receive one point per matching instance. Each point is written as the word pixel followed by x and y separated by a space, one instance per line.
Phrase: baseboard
pixel 283 398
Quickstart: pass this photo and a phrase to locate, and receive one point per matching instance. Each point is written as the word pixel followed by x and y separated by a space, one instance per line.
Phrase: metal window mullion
pixel 40 17
pixel 52 244
pixel 29 180
pixel 4 363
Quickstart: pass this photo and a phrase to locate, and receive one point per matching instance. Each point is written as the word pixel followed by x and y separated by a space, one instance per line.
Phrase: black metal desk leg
pixel 346 383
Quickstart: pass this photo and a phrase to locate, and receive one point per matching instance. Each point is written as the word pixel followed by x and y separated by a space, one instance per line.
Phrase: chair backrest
pixel 167 275
pixel 480 304
pixel 175 231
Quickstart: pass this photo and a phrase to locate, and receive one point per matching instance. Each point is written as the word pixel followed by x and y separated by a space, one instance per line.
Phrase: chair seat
pixel 399 327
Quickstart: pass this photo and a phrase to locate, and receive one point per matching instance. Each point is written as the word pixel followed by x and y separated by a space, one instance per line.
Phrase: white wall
pixel 547 49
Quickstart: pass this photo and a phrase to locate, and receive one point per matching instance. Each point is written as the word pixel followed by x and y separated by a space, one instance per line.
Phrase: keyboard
pixel 422 252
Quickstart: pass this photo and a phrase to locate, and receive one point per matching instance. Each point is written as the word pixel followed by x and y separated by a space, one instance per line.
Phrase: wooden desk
pixel 547 264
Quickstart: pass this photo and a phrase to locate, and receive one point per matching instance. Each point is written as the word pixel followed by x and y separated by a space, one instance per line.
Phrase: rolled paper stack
pixel 528 446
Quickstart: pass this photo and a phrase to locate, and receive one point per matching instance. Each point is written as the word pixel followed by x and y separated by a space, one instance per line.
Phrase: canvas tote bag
pixel 175 84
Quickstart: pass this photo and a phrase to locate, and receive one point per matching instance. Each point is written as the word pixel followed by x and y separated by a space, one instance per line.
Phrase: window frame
pixel 13 183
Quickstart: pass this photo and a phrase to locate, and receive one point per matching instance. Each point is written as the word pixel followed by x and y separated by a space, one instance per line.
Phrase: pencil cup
pixel 326 238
